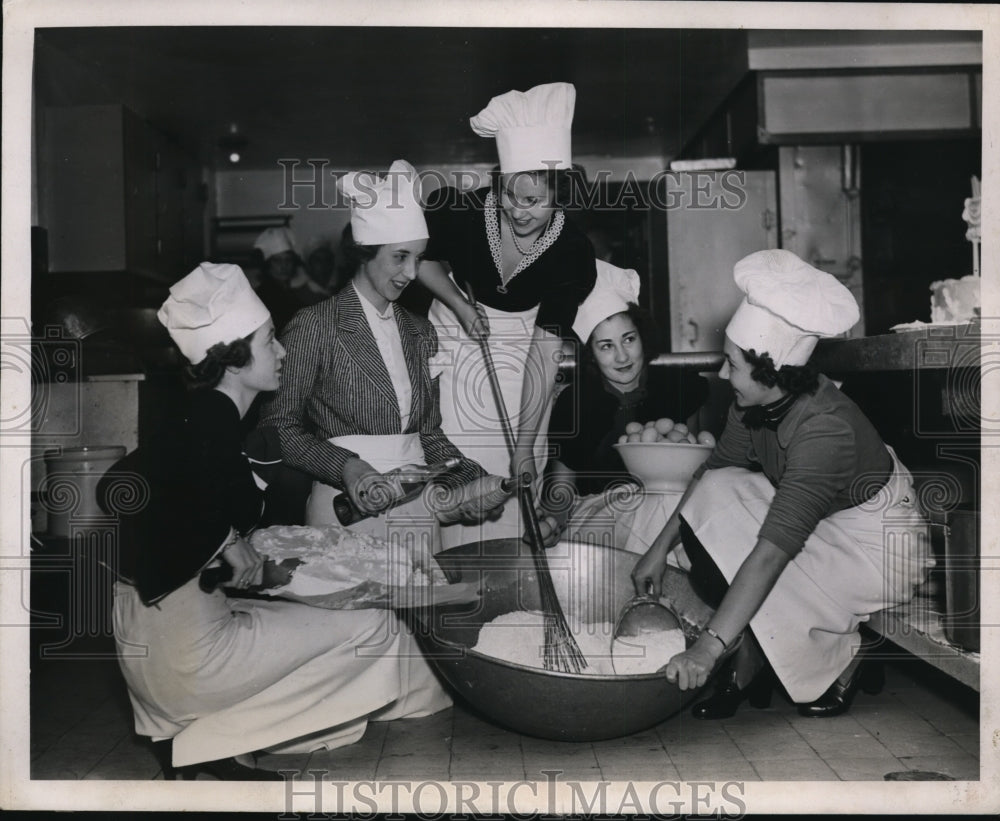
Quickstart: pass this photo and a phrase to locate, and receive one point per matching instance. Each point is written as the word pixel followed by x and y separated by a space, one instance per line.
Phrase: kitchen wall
pixel 251 192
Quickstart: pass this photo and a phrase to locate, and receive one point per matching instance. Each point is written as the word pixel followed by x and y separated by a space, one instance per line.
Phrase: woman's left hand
pixel 690 669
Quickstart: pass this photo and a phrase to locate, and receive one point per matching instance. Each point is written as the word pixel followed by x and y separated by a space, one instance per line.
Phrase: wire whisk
pixel 561 652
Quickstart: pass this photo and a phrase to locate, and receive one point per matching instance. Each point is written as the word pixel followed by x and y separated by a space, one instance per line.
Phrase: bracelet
pixel 715 635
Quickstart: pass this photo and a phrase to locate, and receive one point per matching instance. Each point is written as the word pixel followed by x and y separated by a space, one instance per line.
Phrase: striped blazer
pixel 334 382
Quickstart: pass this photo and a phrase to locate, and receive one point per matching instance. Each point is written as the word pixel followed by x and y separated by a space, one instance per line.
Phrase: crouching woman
pixel 802 522
pixel 220 675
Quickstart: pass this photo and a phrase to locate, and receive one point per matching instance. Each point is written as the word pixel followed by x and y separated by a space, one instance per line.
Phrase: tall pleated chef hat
pixel 275 241
pixel 212 304
pixel 385 210
pixel 788 306
pixel 614 289
pixel 532 128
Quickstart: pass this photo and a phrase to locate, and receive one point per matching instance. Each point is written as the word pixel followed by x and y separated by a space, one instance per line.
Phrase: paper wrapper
pixel 337 569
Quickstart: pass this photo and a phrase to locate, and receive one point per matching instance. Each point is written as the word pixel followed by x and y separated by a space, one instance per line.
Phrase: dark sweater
pixel 823 457
pixel 192 484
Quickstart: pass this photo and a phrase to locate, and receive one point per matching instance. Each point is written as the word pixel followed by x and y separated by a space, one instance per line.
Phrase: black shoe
pixel 837 699
pixel 728 696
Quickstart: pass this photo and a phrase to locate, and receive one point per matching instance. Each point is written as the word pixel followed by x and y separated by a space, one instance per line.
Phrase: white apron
pixel 228 676
pixel 384 453
pixel 469 415
pixel 858 561
pixel 625 520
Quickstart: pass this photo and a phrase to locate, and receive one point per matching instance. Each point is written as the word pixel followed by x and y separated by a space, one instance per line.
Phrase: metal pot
pixel 593 583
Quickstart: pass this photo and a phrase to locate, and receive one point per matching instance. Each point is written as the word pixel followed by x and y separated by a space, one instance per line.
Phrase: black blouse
pixel 589 416
pixel 193 483
pixel 557 281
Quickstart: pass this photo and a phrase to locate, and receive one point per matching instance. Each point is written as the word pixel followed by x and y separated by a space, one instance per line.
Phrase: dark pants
pixel 706 578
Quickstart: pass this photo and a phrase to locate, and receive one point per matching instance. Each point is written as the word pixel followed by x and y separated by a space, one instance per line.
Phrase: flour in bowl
pixel 519 637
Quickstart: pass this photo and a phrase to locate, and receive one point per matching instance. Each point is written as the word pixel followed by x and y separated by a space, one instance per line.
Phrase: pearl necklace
pixel 513 236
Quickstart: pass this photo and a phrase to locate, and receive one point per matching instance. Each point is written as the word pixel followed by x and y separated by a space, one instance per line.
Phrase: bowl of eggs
pixel 663 454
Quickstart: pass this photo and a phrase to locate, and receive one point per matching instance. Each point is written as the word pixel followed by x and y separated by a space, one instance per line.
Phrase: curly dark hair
pixel 648 335
pixel 567 183
pixel 793 379
pixel 353 255
pixel 209 372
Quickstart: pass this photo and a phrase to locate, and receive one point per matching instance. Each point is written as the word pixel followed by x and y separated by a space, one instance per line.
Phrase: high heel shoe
pixel 728 696
pixel 839 696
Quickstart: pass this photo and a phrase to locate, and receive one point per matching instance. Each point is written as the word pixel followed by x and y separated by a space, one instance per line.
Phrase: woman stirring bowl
pixel 802 522
pixel 615 386
pixel 511 248
pixel 224 676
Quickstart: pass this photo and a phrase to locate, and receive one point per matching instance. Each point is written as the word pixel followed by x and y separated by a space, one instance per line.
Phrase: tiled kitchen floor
pixel 81 728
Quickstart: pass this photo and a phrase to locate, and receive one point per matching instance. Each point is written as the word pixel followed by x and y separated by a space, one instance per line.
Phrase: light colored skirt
pixel 469 415
pixel 226 676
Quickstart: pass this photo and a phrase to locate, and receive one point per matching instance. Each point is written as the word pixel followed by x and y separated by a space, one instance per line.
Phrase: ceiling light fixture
pixel 233 144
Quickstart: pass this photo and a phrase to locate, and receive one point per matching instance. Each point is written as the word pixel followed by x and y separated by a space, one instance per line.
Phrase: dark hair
pixel 647 335
pixel 209 372
pixel 353 255
pixel 793 379
pixel 566 183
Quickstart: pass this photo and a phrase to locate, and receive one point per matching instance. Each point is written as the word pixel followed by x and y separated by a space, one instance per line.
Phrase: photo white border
pixel 21 17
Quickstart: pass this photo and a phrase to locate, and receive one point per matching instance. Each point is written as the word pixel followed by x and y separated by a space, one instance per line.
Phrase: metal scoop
pixel 644 614
pixel 641 614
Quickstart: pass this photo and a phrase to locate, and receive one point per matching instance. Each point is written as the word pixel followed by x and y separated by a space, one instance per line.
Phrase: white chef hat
pixel 275 241
pixel 614 289
pixel 212 304
pixel 532 128
pixel 386 210
pixel 788 306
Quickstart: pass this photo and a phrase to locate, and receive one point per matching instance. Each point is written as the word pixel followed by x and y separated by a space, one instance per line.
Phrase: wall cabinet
pixel 117 195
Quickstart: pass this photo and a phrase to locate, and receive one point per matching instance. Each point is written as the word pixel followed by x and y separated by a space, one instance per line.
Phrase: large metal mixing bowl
pixel 593 583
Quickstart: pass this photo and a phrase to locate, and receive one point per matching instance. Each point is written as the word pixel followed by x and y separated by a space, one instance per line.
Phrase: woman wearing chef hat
pixel 802 520
pixel 615 386
pixel 511 249
pixel 286 286
pixel 224 676
pixel 357 400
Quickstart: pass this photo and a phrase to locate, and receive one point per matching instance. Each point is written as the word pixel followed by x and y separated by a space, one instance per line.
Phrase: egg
pixel 676 436
pixel 649 435
pixel 706 438
pixel 664 426
pixel 633 427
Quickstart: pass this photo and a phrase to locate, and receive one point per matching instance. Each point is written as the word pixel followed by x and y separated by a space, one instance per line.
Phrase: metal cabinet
pixel 713 219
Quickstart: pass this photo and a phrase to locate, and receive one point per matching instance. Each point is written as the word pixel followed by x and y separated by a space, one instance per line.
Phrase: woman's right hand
pixel 247 564
pixel 370 491
pixel 474 321
pixel 647 575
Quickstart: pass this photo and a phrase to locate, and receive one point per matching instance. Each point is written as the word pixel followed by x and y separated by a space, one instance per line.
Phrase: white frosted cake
pixel 955 300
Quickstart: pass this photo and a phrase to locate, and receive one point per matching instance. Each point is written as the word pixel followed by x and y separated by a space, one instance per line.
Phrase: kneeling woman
pixel 226 676
pixel 614 386
pixel 803 520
